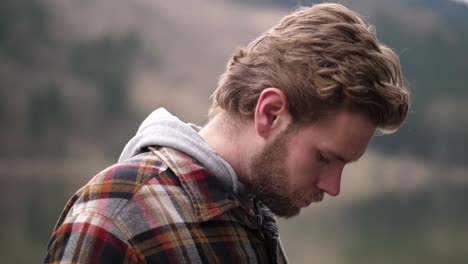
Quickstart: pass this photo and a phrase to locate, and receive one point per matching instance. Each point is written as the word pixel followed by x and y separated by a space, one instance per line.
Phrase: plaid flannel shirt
pixel 161 206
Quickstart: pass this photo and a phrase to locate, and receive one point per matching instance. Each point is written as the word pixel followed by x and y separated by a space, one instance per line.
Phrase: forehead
pixel 343 132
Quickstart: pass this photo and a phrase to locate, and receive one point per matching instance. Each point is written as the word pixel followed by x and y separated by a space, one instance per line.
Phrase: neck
pixel 228 144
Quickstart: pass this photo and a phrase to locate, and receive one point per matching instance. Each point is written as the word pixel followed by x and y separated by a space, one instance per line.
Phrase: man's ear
pixel 271 113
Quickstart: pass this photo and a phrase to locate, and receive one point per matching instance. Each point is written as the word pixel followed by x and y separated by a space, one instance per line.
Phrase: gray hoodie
pixel 161 128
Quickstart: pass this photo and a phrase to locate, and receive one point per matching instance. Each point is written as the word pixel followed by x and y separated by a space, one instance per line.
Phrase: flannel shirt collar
pixel 208 195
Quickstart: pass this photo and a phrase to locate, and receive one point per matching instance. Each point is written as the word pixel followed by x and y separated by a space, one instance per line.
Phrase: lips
pixel 315 197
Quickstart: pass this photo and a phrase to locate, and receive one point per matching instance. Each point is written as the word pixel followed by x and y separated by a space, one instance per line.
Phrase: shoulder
pixel 89 226
pixel 112 189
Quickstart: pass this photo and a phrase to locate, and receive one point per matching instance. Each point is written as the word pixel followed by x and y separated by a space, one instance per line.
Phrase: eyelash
pixel 321 158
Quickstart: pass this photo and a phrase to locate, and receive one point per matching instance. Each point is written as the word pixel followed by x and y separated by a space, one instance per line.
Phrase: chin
pixel 289 213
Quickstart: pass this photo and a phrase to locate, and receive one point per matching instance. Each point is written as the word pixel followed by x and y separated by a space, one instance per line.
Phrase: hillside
pixel 107 70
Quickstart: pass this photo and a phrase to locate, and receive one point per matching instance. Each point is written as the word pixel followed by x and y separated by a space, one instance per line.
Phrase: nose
pixel 331 182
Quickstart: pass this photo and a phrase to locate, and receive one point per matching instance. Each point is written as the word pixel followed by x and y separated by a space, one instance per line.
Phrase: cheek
pixel 303 171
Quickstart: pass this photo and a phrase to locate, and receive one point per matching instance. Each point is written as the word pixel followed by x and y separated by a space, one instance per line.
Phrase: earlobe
pixel 270 112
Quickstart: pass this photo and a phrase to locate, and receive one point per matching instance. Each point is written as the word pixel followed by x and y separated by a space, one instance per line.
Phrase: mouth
pixel 314 198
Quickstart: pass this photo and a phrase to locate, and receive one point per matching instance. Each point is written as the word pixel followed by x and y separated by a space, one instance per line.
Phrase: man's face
pixel 299 165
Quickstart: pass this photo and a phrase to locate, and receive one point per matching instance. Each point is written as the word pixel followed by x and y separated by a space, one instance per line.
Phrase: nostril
pixel 332 188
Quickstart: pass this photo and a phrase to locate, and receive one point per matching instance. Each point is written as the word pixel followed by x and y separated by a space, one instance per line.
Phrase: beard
pixel 270 179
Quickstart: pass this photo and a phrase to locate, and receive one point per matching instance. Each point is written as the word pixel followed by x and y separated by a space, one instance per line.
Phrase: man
pixel 292 109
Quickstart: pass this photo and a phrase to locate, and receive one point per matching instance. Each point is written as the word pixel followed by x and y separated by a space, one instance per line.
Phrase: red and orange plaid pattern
pixel 160 206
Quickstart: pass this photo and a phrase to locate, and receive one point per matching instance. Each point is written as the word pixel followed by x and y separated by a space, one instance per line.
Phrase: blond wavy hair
pixel 323 58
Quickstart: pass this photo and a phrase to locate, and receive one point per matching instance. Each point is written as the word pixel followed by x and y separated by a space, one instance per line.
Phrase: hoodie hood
pixel 161 128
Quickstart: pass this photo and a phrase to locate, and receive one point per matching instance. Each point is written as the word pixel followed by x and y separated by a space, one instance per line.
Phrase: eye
pixel 322 159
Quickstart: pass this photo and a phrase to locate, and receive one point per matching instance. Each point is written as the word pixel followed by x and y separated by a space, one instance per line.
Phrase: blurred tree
pixel 107 62
pixel 33 57
pixel 434 65
pixel 48 120
pixel 2 110
pixel 22 23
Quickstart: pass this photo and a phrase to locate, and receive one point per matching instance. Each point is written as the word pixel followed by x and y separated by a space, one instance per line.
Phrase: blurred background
pixel 77 78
